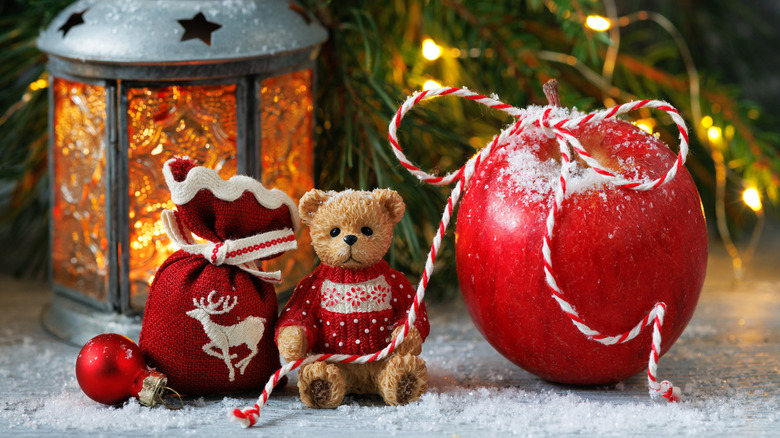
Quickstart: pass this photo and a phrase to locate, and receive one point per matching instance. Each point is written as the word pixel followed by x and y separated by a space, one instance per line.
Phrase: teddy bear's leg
pixel 403 379
pixel 321 385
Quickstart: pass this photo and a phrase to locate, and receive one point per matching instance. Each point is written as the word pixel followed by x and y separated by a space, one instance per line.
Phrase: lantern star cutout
pixel 198 27
pixel 74 20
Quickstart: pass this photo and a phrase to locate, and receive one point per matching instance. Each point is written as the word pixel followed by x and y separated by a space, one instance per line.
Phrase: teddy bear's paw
pixel 403 380
pixel 292 343
pixel 321 385
pixel 412 344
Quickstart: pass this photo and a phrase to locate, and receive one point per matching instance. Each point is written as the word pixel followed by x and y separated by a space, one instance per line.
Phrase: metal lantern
pixel 227 83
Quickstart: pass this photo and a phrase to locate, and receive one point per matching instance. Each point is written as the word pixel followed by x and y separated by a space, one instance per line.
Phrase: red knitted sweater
pixel 347 311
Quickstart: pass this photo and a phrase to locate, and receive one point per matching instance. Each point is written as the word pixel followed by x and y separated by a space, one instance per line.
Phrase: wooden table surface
pixel 727 361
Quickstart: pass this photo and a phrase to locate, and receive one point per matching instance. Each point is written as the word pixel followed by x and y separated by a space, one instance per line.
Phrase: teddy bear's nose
pixel 351 239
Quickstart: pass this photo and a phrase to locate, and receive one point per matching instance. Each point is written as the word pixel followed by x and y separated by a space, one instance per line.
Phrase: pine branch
pixel 372 61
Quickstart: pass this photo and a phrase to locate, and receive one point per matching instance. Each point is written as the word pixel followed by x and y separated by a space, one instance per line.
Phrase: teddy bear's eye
pixel 335 232
pixel 366 231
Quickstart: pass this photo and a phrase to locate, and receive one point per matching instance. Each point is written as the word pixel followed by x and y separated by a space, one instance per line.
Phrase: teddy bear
pixel 353 303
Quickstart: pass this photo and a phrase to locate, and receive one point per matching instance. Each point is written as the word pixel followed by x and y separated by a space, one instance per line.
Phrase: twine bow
pixel 239 252
pixel 560 127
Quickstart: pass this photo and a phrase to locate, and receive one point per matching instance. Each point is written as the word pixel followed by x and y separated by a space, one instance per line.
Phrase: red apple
pixel 616 252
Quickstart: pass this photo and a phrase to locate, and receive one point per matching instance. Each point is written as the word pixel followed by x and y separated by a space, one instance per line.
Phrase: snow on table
pixel 727 362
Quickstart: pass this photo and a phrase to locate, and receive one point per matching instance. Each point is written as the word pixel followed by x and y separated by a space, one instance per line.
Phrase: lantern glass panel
pixel 79 236
pixel 286 125
pixel 198 121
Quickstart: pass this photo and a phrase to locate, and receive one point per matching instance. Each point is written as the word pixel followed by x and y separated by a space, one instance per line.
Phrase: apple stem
pixel 550 89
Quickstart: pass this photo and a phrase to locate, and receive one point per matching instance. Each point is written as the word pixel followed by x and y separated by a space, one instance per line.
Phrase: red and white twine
pixel 239 252
pixel 561 128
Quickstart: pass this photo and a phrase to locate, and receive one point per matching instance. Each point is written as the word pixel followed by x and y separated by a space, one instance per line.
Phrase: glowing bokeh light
pixel 597 22
pixel 752 199
pixel 431 84
pixel 714 133
pixel 430 49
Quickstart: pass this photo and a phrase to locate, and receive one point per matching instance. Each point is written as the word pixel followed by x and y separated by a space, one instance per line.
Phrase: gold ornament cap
pixel 153 387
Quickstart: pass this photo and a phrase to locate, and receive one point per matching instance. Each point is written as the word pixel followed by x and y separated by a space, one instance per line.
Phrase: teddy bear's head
pixel 351 229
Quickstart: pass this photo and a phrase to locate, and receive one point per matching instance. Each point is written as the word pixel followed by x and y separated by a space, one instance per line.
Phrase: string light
pixel 752 199
pixel 729 132
pixel 430 49
pixel 40 84
pixel 597 23
pixel 431 84
pixel 645 125
pixel 714 133
pixel 705 128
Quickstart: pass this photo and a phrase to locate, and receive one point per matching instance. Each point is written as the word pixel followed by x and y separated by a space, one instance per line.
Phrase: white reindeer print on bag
pixel 249 331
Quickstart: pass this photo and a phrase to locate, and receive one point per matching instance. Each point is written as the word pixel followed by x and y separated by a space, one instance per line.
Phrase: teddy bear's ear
pixel 309 204
pixel 392 202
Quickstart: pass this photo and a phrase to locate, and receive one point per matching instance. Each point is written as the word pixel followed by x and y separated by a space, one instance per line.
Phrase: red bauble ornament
pixel 110 369
pixel 616 252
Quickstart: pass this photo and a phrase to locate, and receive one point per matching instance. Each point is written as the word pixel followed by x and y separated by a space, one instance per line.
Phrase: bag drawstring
pixel 239 252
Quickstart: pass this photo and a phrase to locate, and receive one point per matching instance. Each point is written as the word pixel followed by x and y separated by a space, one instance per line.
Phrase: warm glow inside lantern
pixel 135 83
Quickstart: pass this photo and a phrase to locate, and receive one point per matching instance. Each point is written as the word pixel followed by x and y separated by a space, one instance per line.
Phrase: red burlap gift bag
pixel 210 317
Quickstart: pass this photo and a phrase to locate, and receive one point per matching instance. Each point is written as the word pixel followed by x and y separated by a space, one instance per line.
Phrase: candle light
pixel 229 86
